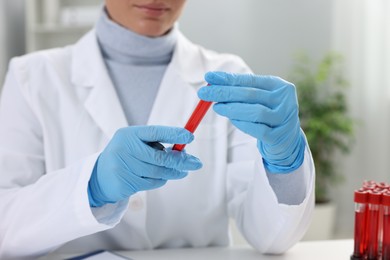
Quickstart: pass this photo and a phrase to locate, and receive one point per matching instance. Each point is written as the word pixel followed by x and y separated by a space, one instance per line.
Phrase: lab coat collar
pixel 88 69
pixel 177 96
pixel 188 60
pixel 88 63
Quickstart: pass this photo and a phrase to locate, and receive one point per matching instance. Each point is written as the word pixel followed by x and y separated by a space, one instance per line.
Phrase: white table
pixel 309 250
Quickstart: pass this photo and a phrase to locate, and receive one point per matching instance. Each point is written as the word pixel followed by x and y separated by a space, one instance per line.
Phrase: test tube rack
pixel 372 222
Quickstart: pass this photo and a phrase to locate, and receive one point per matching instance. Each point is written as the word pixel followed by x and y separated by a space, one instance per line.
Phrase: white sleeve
pixel 269 226
pixel 39 210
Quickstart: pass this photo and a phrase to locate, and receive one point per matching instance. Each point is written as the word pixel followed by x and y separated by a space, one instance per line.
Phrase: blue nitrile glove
pixel 128 164
pixel 264 107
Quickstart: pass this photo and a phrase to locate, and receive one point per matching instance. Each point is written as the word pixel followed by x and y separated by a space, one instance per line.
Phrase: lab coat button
pixel 136 203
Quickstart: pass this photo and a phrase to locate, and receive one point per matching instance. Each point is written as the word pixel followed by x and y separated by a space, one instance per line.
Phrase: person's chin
pixel 153 31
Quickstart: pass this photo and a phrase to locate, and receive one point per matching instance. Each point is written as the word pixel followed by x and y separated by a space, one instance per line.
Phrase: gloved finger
pixel 255 113
pixel 139 150
pixel 275 136
pixel 145 183
pixel 164 134
pixel 258 131
pixel 180 161
pixel 171 174
pixel 265 82
pixel 147 170
pixel 249 95
pixel 280 142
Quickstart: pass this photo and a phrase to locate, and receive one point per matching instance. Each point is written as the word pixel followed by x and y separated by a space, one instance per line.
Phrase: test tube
pixel 372 231
pixel 386 226
pixel 194 120
pixel 360 199
pixel 383 190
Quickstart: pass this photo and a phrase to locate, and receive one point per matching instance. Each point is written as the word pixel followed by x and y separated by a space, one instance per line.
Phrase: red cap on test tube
pixel 379 190
pixel 369 182
pixel 374 197
pixel 382 185
pixel 361 196
pixel 369 185
pixel 386 198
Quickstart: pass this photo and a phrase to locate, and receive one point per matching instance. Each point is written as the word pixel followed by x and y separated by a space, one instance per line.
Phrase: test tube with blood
pixel 194 120
pixel 386 226
pixel 361 199
pixel 372 231
pixel 382 188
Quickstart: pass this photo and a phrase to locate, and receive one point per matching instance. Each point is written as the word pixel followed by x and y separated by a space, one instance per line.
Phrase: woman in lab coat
pixel 75 124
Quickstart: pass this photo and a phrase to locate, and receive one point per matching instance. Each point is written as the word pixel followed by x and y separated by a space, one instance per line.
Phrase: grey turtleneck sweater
pixel 136 65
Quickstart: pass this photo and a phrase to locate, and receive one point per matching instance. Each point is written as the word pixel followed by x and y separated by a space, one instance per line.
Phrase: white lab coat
pixel 58 111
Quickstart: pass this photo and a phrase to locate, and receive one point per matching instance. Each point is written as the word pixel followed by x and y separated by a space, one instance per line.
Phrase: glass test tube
pixel 374 201
pixel 368 185
pixel 194 120
pixel 386 226
pixel 381 216
pixel 380 188
pixel 360 199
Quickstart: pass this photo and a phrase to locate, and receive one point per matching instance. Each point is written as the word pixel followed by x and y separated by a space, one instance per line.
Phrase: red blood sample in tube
pixel 383 190
pixel 360 199
pixel 192 123
pixel 386 226
pixel 374 201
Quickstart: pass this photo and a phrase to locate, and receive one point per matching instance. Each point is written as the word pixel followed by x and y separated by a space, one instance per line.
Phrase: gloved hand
pixel 264 107
pixel 128 164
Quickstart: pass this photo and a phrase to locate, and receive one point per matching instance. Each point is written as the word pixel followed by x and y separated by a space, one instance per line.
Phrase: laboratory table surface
pixel 313 250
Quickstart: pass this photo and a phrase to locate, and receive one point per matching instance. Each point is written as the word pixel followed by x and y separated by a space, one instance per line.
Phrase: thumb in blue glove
pixel 264 107
pixel 128 164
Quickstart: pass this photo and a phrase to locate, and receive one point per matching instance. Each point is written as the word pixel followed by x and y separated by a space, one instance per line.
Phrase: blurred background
pixel 267 35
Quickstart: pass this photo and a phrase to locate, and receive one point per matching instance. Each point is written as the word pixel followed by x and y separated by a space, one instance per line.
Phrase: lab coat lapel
pixel 89 71
pixel 177 95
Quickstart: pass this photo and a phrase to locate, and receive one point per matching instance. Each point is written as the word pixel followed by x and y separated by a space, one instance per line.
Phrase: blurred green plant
pixel 324 116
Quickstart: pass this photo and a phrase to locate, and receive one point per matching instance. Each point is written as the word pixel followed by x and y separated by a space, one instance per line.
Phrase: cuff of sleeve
pixel 279 166
pixel 110 214
pixel 283 225
pixel 100 218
